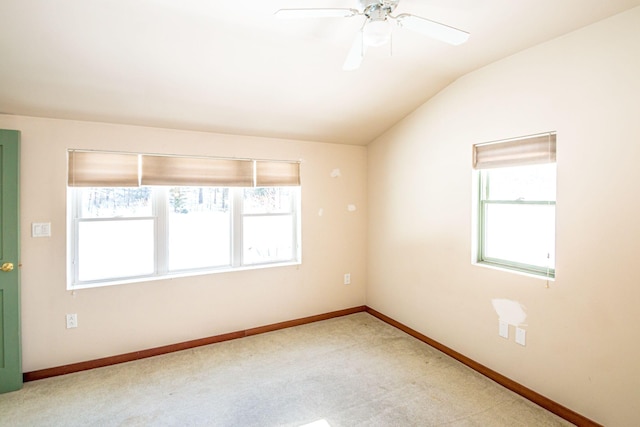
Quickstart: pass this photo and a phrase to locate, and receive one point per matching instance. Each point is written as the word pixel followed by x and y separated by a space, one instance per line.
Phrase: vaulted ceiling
pixel 231 67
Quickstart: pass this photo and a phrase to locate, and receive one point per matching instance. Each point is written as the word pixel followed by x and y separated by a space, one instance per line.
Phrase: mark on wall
pixel 335 173
pixel 509 311
pixel 320 212
pixel 351 208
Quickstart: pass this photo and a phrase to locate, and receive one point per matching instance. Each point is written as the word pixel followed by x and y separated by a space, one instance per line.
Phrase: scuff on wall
pixel 511 312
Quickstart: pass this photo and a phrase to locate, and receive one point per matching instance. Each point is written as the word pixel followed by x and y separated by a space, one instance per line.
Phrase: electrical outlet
pixel 72 321
pixel 521 335
pixel 347 279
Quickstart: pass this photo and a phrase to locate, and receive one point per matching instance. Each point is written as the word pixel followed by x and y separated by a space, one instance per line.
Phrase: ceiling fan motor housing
pixel 373 7
pixel 377 30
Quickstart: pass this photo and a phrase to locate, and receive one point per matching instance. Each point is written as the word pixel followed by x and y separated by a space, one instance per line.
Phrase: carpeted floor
pixel 350 371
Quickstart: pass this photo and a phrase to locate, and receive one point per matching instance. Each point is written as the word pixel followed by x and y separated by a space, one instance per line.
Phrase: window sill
pixel 178 275
pixel 513 271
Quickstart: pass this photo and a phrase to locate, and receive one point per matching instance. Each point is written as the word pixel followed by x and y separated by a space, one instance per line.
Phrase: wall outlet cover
pixel 72 321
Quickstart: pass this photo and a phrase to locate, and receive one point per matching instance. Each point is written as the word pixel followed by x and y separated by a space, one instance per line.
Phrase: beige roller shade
pixel 277 174
pixel 515 152
pixel 196 171
pixel 99 169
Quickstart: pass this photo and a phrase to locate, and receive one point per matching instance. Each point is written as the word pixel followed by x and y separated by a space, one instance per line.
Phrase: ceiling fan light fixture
pixel 377 28
pixel 376 32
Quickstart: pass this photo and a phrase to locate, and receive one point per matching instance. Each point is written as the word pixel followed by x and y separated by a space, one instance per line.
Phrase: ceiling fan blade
pixel 356 53
pixel 433 29
pixel 315 13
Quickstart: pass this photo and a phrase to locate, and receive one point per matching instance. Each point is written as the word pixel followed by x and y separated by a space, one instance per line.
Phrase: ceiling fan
pixel 376 29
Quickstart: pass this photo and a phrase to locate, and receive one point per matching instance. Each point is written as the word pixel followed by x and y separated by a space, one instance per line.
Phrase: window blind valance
pixel 196 172
pixel 528 150
pixel 105 169
pixel 277 174
pixel 94 169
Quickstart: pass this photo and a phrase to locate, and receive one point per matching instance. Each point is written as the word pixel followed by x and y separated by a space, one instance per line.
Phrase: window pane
pixel 115 249
pixel 110 202
pixel 530 183
pixel 521 233
pixel 199 227
pixel 267 239
pixel 267 200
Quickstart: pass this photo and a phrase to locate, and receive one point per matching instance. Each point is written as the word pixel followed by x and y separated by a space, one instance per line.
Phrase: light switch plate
pixel 503 329
pixel 41 229
pixel 521 336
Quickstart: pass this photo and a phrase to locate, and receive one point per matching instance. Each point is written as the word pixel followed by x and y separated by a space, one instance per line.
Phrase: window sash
pixel 292 212
pixel 290 219
pixel 544 270
pixel 173 253
pixel 77 248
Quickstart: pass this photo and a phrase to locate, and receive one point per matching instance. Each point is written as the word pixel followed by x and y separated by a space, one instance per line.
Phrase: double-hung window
pixel 517 204
pixel 138 217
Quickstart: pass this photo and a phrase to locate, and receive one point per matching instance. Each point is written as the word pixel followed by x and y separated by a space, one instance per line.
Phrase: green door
pixel 10 354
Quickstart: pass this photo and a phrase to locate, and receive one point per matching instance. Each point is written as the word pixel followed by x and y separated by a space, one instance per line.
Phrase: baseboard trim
pixel 527 393
pixel 157 351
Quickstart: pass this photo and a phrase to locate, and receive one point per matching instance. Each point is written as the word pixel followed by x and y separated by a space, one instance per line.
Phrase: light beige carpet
pixel 350 371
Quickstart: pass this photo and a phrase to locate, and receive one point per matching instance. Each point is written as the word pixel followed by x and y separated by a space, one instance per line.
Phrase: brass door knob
pixel 6 267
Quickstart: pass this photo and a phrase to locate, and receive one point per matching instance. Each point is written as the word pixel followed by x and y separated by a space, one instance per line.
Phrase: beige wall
pixel 582 332
pixel 125 318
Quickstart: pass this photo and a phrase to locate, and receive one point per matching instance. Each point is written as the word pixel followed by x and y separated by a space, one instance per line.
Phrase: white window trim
pixel 475 237
pixel 476 225
pixel 162 272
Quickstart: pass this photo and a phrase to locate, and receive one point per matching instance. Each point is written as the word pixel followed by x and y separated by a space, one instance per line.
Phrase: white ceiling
pixel 231 67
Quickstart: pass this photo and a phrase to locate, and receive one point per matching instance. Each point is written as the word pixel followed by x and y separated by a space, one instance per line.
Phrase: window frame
pixel 483 203
pixel 160 215
pixel 514 152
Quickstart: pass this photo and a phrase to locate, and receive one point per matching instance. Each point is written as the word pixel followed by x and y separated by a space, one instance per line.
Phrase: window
pixel 517 204
pixel 267 216
pixel 198 225
pixel 115 230
pixel 126 226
